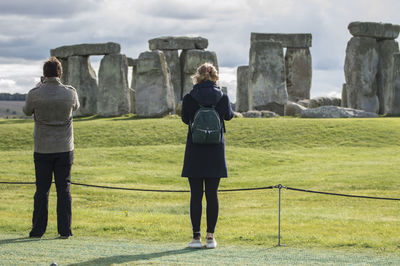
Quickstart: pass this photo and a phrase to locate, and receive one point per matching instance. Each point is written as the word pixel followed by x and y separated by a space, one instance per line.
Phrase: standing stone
pixel 154 95
pixel 298 66
pixel 113 98
pixel 190 61
pixel 224 89
pixel 360 68
pixel 267 82
pixel 344 96
pixel 174 65
pixel 133 64
pixel 242 89
pixel 395 109
pixel 386 49
pixel 64 65
pixel 83 78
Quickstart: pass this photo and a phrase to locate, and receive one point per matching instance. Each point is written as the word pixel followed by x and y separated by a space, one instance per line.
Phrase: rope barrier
pixel 338 194
pixel 220 190
pixel 140 189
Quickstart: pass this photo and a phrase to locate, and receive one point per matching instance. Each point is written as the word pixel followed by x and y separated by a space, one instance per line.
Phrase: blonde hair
pixel 205 72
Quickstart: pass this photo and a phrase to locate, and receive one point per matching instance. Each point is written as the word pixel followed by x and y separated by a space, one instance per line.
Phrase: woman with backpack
pixel 204 109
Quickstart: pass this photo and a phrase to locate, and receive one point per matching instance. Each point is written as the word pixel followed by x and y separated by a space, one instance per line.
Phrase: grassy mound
pixel 352 156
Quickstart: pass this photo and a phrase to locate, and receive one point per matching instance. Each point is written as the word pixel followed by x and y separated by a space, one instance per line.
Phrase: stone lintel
pixel 178 43
pixel 374 30
pixel 300 40
pixel 86 49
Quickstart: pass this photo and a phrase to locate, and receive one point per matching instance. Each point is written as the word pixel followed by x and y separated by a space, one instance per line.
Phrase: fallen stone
pixel 242 89
pixel 267 82
pixel 178 43
pixel 386 49
pixel 304 102
pixel 113 97
pixel 374 30
pixel 302 40
pixel 258 114
pixel 154 96
pixel 252 114
pixel 298 65
pixel 335 112
pixel 324 101
pixel 86 49
pixel 190 61
pixel 268 114
pixel 237 115
pixel 360 68
pixel 293 109
pixel 83 78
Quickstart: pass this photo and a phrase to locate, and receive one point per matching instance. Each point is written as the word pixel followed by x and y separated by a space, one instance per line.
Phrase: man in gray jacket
pixel 52 104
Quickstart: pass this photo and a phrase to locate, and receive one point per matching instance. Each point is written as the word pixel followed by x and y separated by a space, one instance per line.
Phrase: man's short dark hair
pixel 52 67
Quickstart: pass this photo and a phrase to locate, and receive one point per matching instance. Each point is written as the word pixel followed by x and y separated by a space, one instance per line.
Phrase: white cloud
pixel 227 76
pixel 327 83
pixel 19 76
pixel 7 83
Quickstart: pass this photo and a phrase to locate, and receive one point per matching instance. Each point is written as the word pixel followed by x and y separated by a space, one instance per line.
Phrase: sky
pixel 29 29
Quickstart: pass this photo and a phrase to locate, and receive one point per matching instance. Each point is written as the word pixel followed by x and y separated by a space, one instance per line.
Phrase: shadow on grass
pixel 20 240
pixel 128 258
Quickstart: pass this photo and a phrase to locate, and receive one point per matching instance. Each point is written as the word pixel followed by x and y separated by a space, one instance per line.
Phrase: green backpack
pixel 206 127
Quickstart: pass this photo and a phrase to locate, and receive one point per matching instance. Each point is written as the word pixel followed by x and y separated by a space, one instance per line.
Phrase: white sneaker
pixel 195 243
pixel 211 243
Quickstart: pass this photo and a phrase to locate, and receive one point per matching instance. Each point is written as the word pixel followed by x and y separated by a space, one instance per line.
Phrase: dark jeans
pixel 45 165
pixel 196 197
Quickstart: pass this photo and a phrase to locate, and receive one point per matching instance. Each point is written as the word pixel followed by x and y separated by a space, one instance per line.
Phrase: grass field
pixel 353 156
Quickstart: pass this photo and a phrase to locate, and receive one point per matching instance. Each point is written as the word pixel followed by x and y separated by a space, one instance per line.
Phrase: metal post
pixel 279 221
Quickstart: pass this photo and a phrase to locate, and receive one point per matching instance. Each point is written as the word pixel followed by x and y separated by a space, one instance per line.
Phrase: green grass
pixel 353 156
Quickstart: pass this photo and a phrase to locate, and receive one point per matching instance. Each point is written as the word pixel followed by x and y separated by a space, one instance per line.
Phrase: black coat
pixel 205 160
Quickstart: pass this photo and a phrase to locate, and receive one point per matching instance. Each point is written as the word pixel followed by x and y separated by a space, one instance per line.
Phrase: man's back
pixel 52 104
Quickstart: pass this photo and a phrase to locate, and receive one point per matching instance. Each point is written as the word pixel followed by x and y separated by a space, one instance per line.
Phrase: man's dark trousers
pixel 45 165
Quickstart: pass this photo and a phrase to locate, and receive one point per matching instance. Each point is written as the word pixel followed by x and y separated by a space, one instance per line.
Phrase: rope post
pixel 279 219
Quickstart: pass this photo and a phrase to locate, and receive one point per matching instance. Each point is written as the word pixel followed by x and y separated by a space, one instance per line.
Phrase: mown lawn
pixel 353 156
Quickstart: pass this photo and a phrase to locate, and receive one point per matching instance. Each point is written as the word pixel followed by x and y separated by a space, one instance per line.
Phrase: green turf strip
pixel 17 250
